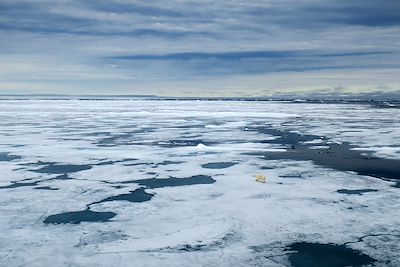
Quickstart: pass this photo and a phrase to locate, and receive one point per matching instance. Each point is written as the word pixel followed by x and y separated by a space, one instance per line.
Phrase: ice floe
pixel 150 183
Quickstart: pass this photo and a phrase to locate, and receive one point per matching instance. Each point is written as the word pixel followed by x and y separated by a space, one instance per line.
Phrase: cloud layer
pixel 197 47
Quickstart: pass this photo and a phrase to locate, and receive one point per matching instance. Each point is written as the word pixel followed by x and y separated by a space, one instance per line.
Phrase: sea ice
pixel 208 210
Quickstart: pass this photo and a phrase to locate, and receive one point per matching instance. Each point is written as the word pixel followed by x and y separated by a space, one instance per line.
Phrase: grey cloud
pixel 180 39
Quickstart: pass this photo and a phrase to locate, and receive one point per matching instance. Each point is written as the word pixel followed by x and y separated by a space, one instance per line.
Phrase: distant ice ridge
pixel 59 156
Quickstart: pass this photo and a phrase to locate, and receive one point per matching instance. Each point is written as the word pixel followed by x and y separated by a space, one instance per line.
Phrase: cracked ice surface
pixel 94 151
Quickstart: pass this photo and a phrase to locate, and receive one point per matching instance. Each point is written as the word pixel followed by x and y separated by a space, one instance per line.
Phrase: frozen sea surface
pixel 145 183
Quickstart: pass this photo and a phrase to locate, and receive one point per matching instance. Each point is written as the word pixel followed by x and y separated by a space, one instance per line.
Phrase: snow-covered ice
pixel 60 156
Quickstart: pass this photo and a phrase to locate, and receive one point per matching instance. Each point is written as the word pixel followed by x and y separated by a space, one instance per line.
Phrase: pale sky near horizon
pixel 199 48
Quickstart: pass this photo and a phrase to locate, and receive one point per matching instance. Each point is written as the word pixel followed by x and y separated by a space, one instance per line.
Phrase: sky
pixel 199 48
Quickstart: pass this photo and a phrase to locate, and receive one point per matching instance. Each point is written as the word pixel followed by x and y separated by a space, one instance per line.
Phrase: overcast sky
pixel 199 48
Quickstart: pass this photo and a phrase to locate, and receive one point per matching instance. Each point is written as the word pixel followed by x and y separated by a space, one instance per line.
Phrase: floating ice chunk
pixel 238 147
pixel 319 147
pixel 234 124
pixel 383 151
pixel 201 146
pixel 315 141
